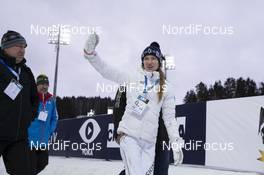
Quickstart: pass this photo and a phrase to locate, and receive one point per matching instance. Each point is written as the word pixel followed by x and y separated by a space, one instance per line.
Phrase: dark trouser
pixel 162 157
pixel 162 160
pixel 39 159
pixel 16 157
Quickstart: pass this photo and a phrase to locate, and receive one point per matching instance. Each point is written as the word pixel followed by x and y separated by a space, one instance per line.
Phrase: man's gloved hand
pixel 90 45
pixel 177 151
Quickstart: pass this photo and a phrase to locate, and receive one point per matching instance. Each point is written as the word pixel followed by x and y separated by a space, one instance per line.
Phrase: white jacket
pixel 144 126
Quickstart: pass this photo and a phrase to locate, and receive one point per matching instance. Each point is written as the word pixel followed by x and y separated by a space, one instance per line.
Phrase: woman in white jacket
pixel 147 92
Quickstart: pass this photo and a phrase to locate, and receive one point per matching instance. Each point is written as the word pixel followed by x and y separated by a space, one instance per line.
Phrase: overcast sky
pixel 235 48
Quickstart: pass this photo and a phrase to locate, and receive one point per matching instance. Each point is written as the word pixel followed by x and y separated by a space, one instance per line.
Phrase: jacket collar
pixel 47 96
pixel 152 76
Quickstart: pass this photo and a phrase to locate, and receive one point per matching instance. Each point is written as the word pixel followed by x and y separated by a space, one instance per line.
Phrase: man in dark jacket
pixel 18 103
pixel 162 158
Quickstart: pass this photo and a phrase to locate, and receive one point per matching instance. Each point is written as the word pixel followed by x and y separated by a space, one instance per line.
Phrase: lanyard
pixel 146 83
pixel 44 102
pixel 11 70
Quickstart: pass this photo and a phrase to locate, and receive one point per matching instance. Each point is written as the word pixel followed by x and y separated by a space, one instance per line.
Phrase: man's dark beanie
pixel 11 38
pixel 42 79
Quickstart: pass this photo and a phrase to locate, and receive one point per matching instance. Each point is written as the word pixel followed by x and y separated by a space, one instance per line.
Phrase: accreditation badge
pixel 13 89
pixel 140 105
pixel 43 115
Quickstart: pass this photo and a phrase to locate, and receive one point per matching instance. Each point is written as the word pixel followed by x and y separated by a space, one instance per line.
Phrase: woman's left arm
pixel 169 118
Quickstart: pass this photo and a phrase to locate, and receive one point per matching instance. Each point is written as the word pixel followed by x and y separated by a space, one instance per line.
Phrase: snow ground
pixel 80 166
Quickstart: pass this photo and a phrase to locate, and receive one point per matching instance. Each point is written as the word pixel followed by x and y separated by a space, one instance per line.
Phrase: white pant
pixel 137 155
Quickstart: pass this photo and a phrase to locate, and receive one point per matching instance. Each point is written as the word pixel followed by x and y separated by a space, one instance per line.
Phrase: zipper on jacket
pixel 43 124
pixel 20 108
pixel 42 132
pixel 19 116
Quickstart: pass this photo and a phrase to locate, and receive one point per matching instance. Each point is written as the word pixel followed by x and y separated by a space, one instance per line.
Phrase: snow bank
pixel 80 166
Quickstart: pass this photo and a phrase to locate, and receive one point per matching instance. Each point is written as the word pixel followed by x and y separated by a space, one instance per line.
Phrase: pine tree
pixel 202 92
pixel 233 88
pixel 190 97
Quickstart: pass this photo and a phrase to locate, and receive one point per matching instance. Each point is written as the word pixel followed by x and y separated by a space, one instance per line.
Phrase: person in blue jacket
pixel 42 127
